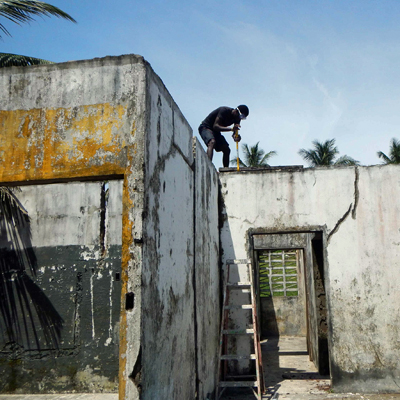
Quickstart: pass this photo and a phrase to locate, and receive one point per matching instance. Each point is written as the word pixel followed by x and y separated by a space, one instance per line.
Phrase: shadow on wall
pixel 24 307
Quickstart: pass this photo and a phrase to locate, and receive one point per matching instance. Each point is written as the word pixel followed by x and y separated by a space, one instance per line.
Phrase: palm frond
pixel 15 60
pixel 346 160
pixel 256 157
pixel 323 153
pixel 233 162
pixel 23 11
pixel 385 158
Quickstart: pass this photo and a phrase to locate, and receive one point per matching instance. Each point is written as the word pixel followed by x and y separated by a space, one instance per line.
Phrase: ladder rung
pixel 238 307
pixel 241 261
pixel 238 331
pixel 239 285
pixel 236 357
pixel 238 384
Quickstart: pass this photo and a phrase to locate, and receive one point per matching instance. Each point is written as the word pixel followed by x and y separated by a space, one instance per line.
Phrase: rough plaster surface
pixel 106 119
pixel 207 272
pixel 83 120
pixel 168 361
pixel 76 274
pixel 358 210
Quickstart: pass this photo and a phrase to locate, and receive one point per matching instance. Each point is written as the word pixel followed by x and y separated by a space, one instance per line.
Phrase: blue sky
pixel 307 69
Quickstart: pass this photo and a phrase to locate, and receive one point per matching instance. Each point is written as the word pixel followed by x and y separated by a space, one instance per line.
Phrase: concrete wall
pixel 207 272
pixel 113 119
pixel 73 298
pixel 356 209
pixel 168 338
pixel 83 120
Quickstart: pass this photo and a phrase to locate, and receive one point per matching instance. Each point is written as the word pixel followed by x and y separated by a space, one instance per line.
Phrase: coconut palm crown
pixel 254 156
pixel 394 153
pixel 324 154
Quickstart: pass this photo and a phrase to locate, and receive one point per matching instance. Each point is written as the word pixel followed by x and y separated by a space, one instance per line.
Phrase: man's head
pixel 243 111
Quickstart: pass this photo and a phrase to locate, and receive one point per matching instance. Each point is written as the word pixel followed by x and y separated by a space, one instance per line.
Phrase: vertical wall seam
pixel 194 274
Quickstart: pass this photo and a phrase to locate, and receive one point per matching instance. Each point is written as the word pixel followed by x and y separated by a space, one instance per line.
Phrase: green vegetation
pixel 278 273
pixel 324 154
pixel 24 11
pixel 394 153
pixel 254 156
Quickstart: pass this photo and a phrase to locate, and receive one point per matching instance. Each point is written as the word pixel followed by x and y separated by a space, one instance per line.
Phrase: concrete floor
pixel 289 375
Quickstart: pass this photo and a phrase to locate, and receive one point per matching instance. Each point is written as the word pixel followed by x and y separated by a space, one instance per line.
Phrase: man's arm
pixel 219 127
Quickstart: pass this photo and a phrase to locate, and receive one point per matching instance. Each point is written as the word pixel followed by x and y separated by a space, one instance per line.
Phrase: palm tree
pixel 394 153
pixel 254 156
pixel 324 153
pixel 19 11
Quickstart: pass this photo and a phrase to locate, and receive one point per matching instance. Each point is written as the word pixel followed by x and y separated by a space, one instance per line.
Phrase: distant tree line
pixel 322 154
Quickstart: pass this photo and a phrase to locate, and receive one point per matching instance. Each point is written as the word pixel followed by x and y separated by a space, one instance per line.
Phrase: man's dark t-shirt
pixel 225 118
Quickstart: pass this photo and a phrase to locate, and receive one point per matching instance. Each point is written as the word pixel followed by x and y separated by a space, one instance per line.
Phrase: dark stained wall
pixel 65 332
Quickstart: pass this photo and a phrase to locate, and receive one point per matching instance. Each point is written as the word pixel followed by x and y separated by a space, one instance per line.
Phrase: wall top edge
pixel 86 178
pixel 95 62
pixel 299 168
pixel 262 169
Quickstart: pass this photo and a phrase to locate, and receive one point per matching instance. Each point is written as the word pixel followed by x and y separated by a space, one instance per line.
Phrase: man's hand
pixel 236 137
pixel 236 127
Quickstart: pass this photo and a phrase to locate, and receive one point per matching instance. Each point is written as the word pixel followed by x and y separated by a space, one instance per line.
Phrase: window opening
pixel 278 273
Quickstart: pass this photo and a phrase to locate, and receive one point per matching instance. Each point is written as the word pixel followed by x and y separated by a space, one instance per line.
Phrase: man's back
pixel 224 115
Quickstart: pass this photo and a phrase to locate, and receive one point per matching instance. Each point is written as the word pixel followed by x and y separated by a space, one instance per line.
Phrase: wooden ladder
pixel 254 382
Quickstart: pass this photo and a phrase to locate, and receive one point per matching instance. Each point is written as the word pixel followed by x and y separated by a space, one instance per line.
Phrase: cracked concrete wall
pixel 113 119
pixel 83 120
pixel 357 209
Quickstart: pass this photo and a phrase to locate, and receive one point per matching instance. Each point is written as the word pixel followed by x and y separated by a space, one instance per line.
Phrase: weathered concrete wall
pixel 168 337
pixel 207 272
pixel 357 210
pixel 74 297
pixel 83 119
pixel 113 119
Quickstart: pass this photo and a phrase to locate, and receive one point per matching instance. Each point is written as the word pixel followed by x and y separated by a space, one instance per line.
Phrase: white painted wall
pixel 358 210
pixel 168 329
pixel 207 271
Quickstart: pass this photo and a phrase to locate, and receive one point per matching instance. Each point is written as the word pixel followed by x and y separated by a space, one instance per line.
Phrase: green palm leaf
pixel 22 11
pixel 15 60
pixel 346 160
pixel 394 153
pixel 324 154
pixel 254 156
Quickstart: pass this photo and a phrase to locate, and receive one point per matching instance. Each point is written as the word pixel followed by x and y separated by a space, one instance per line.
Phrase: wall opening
pixel 291 290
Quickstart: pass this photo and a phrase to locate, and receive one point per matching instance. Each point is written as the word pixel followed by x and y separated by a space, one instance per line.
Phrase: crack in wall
pixel 341 220
pixel 356 193
pixel 352 208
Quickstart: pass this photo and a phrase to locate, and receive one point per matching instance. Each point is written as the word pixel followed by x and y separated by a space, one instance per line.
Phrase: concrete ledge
pixel 66 396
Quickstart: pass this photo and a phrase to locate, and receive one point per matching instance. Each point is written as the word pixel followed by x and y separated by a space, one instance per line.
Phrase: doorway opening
pixel 291 297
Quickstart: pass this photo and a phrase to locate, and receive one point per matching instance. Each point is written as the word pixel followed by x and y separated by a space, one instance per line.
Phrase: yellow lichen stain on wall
pixel 51 143
pixel 127 241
